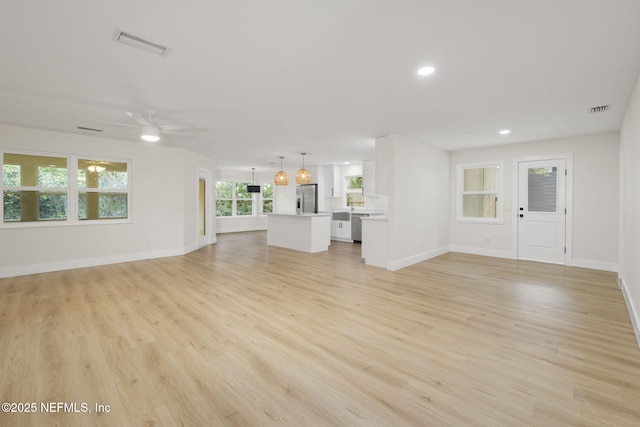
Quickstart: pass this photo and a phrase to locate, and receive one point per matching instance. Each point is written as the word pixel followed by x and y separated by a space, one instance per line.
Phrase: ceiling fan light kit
pixel 150 134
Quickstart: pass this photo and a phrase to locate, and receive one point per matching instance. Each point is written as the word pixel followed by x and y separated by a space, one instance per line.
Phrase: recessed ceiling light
pixel 504 132
pixel 346 163
pixel 426 71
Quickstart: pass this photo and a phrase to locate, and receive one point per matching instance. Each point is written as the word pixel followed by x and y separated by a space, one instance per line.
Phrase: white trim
pixel 406 262
pixel 93 262
pixel 209 221
pixel 593 265
pixel 633 314
pixel 568 157
pixel 495 253
pixel 242 229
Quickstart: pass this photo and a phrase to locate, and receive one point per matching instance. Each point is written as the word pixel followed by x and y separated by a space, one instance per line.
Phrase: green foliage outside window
pixel 267 197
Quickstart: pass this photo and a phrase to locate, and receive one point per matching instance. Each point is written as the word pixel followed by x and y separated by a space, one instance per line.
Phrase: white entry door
pixel 542 210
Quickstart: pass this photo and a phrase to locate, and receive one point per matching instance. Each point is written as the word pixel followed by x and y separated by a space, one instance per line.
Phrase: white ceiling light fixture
pixel 426 71
pixel 140 43
pixel 504 132
pixel 150 134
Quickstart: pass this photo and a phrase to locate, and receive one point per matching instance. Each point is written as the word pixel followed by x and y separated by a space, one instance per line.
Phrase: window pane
pixel 12 206
pixel 34 171
pixel 244 207
pixel 224 190
pixel 481 179
pixel 32 206
pixel 267 206
pixel 543 186
pixel 11 175
pixel 267 191
pixel 50 176
pixel 479 205
pixel 223 207
pixel 355 199
pixel 52 206
pixel 354 182
pixel 102 205
pixel 102 174
pixel 241 190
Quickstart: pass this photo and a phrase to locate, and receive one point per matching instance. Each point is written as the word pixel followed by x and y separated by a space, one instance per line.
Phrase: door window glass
pixel 543 189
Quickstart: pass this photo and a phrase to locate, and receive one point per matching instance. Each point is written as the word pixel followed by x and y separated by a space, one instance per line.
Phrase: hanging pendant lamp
pixel 303 176
pixel 281 177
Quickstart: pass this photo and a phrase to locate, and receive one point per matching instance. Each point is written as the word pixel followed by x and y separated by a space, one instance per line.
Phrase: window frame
pixel 499 192
pixel 72 191
pixel 357 190
pixel 234 199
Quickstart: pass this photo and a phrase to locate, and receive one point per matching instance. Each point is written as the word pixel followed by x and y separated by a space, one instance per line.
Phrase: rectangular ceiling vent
pixel 140 43
pixel 600 109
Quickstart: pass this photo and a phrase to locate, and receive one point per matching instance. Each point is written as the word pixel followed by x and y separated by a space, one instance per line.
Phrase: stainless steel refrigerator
pixel 307 198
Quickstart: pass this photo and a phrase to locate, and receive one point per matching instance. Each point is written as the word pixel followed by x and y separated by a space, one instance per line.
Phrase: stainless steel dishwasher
pixel 356 226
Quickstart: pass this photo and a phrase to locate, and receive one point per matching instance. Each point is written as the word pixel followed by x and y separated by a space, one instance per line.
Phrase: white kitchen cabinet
pixel 341 230
pixel 369 178
pixel 333 181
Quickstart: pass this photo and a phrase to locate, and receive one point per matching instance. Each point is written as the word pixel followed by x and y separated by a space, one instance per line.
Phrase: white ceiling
pixel 269 78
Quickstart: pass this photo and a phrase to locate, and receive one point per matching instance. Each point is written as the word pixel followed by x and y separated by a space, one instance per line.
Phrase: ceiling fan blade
pixel 178 133
pixel 120 124
pixel 139 119
pixel 177 127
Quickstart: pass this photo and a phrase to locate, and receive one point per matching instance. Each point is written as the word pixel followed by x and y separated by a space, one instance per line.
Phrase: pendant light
pixel 303 176
pixel 253 188
pixel 281 177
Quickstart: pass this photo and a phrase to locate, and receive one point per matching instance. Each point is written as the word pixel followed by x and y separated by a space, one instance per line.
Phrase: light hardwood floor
pixel 239 333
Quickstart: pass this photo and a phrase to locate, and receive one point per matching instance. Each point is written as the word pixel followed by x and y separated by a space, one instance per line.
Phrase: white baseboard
pixel 24 270
pixel 483 251
pixel 633 313
pixel 406 262
pixel 593 265
pixel 241 229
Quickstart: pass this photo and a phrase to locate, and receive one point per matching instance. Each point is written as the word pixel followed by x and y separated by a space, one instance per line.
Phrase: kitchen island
pixel 302 232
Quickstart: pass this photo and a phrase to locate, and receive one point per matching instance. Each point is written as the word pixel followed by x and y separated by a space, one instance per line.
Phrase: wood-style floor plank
pixel 242 334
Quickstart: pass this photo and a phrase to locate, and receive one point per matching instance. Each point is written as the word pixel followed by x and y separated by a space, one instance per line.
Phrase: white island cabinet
pixel 375 241
pixel 301 232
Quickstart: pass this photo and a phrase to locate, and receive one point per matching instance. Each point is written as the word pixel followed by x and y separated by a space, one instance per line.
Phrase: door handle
pixel 521 215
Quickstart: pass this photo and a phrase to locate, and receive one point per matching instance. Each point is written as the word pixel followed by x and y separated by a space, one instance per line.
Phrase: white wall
pixel 418 202
pixel 595 199
pixel 630 208
pixel 163 210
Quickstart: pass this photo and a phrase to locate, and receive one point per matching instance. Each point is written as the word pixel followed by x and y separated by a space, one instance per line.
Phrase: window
pixel 354 196
pixel 34 188
pixel 232 199
pixel 63 189
pixel 102 190
pixel 480 193
pixel 244 200
pixel 267 197
pixel 224 198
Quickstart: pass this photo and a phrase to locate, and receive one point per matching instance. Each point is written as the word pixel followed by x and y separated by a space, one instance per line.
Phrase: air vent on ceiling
pixel 600 108
pixel 88 129
pixel 140 43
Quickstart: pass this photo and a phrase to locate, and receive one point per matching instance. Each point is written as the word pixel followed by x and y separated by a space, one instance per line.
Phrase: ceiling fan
pixel 150 130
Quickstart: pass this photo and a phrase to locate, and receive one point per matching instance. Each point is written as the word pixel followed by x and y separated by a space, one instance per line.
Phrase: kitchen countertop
pixel 301 214
pixel 375 218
